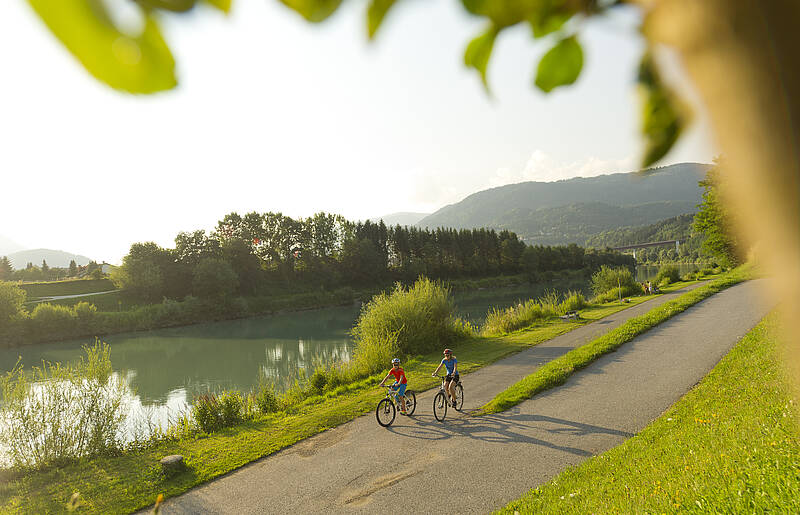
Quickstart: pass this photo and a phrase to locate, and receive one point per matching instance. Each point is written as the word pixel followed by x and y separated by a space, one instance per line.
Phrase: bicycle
pixel 441 401
pixel 387 408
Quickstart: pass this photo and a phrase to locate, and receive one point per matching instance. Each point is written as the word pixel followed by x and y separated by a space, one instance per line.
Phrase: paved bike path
pixel 478 464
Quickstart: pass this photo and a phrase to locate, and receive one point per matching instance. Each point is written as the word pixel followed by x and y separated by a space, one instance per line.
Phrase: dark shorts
pixel 453 377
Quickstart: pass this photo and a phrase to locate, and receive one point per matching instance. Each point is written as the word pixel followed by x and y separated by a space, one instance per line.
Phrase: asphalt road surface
pixel 479 464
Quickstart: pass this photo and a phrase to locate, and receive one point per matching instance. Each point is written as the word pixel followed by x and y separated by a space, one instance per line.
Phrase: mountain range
pixel 54 258
pixel 573 210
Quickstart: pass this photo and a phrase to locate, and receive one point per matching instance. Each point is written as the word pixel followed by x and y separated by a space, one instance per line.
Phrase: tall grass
pixel 56 413
pixel 502 321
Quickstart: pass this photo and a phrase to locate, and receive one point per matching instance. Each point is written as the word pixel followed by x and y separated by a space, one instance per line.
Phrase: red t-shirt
pixel 399 375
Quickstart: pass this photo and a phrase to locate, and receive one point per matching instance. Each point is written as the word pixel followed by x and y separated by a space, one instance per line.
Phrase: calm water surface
pixel 167 368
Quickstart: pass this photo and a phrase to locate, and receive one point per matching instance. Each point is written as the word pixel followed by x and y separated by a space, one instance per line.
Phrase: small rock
pixel 171 464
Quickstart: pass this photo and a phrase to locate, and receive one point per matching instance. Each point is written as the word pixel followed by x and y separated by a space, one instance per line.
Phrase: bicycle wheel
pixel 385 412
pixel 411 402
pixel 459 396
pixel 440 406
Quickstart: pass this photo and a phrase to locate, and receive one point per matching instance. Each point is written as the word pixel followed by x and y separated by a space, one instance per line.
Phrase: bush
pixel 417 320
pixel 318 380
pixel 618 280
pixel 668 274
pixel 231 408
pixel 206 412
pixel 212 413
pixel 57 413
pixel 265 399
pixel 11 300
pixel 53 319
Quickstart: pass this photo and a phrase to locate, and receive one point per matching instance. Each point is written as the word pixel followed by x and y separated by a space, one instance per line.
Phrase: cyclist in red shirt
pixel 400 383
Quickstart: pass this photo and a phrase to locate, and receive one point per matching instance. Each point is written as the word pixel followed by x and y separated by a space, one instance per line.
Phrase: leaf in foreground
pixel 561 65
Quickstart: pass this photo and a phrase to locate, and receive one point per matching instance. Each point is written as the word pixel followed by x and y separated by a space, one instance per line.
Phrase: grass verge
pixel 131 481
pixel 556 372
pixel 731 445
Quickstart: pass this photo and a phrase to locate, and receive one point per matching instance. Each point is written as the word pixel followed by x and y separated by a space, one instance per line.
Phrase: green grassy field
pixel 556 372
pixel 69 287
pixel 731 445
pixel 121 484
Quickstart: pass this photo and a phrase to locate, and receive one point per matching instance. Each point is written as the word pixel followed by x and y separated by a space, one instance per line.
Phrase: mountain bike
pixel 442 400
pixel 387 408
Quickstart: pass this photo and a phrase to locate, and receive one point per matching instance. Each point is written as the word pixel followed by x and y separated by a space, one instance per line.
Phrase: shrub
pixel 265 399
pixel 417 320
pixel 11 300
pixel 618 280
pixel 50 318
pixel 206 412
pixel 318 380
pixel 668 274
pixel 231 408
pixel 213 412
pixel 57 413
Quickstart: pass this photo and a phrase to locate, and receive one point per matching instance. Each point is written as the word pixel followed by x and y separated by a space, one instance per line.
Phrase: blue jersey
pixel 450 365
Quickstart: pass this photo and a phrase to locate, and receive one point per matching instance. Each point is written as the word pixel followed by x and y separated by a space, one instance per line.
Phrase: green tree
pixel 214 279
pixel 714 221
pixel 6 270
pixel 12 299
pixel 73 268
pixel 141 275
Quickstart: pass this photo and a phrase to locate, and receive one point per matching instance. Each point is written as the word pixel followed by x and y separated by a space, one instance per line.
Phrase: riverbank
pixel 77 318
pixel 124 483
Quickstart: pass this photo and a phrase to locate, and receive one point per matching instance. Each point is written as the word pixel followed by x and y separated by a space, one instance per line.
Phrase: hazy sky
pixel 274 114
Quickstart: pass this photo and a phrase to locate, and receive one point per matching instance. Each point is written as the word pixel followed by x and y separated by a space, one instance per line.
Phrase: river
pixel 167 368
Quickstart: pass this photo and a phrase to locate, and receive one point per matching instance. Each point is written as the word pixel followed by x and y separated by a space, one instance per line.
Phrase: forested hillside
pixel 572 210
pixel 676 228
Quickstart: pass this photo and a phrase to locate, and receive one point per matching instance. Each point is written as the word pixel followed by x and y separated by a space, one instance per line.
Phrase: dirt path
pixel 478 464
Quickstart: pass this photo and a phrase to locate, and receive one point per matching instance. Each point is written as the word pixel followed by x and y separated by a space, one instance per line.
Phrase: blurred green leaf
pixel 561 65
pixel 140 64
pixel 375 13
pixel 502 13
pixel 479 51
pixel 314 11
pixel 222 5
pixel 177 6
pixel 663 115
pixel 550 17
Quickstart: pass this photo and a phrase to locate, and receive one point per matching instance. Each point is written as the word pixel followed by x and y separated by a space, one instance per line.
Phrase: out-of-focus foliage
pixel 663 115
pixel 142 63
pixel 314 11
pixel 139 63
pixel 376 13
pixel 560 66
pixel 479 51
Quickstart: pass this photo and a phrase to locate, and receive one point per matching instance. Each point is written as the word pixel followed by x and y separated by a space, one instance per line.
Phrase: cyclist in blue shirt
pixel 451 365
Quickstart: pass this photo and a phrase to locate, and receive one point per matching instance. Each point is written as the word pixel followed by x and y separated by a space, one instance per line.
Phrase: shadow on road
pixel 507 428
